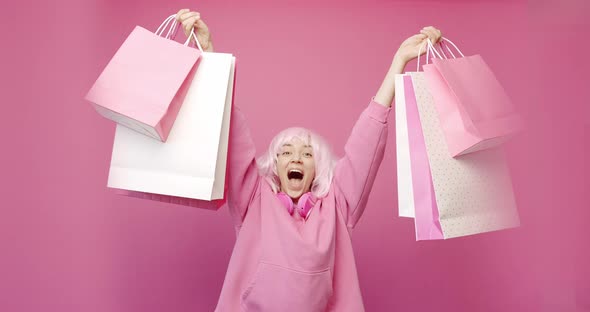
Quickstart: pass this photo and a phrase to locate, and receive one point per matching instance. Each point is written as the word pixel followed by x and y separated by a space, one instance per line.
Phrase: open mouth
pixel 295 174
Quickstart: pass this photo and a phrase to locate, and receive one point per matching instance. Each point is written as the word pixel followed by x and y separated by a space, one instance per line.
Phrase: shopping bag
pixel 183 201
pixel 405 196
pixel 474 110
pixel 473 193
pixel 192 163
pixel 425 210
pixel 144 84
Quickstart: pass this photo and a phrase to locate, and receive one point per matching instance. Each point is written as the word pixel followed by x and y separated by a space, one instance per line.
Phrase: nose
pixel 296 158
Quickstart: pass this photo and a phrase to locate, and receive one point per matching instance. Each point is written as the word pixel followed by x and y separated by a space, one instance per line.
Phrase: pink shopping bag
pixel 190 168
pixel 144 84
pixel 460 196
pixel 474 110
pixel 426 211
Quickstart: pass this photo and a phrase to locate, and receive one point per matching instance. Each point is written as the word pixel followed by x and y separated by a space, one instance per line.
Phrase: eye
pixel 286 153
pixel 307 154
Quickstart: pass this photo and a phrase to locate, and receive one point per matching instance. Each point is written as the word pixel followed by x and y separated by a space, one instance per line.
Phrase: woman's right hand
pixel 190 20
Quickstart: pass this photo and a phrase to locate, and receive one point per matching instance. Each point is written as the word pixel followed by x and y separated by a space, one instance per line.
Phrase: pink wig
pixel 323 157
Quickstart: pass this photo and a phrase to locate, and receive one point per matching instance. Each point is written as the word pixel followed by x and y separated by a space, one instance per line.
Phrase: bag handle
pixel 443 43
pixel 428 50
pixel 172 19
pixel 431 48
pixel 445 40
pixel 165 25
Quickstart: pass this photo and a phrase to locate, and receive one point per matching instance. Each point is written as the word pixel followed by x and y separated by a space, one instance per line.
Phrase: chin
pixel 295 195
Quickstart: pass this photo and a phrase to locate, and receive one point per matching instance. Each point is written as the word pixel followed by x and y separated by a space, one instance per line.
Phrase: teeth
pixel 295 170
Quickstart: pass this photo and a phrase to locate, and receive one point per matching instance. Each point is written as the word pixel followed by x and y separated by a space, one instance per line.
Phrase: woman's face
pixel 296 168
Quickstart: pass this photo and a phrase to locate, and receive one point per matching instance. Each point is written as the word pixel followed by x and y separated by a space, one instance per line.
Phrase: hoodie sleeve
pixel 243 177
pixel 355 173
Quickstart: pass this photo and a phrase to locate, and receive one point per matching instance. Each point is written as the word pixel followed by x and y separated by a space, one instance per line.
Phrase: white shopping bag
pixel 192 162
pixel 405 194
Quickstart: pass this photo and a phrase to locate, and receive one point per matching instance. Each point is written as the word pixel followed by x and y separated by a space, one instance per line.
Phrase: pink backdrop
pixel 68 243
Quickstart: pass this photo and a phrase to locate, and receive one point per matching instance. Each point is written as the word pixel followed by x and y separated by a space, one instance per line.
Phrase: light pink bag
pixel 144 84
pixel 474 110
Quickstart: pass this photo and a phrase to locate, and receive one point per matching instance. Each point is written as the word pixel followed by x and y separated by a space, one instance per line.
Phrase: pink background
pixel 67 243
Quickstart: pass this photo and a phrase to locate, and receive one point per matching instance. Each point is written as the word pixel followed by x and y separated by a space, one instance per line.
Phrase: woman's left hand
pixel 408 50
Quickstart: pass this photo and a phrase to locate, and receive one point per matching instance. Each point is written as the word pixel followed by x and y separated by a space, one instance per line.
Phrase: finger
pixel 189 23
pixel 430 29
pixel 427 34
pixel 419 38
pixel 431 35
pixel 188 15
pixel 435 33
pixel 180 12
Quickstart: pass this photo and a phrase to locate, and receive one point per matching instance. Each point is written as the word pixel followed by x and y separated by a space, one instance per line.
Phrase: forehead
pixel 296 143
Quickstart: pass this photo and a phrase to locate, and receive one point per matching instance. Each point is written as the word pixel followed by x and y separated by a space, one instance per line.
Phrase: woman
pixel 295 209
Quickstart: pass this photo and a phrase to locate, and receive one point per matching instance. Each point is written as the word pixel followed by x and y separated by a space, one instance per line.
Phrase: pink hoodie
pixel 281 262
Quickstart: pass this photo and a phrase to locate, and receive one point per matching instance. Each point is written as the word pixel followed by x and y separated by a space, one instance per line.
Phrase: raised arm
pixel 407 51
pixel 355 173
pixel 242 174
pixel 243 177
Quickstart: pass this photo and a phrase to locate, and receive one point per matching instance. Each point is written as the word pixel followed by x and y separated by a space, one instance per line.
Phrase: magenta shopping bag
pixel 144 84
pixel 426 218
pixel 474 110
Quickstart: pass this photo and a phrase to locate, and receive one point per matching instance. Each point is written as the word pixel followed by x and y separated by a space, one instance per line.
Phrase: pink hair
pixel 323 157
